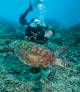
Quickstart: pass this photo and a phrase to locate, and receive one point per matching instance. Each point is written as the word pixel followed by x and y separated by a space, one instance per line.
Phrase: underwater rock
pixel 58 41
pixel 58 36
pixel 77 41
pixel 7 42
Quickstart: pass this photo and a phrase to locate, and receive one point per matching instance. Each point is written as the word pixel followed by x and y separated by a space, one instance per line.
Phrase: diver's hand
pixel 30 8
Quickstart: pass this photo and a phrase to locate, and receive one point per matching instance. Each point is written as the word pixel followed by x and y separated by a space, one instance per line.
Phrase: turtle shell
pixel 33 54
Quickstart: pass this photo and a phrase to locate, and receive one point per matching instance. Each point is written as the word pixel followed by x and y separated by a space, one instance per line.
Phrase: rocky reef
pixel 15 76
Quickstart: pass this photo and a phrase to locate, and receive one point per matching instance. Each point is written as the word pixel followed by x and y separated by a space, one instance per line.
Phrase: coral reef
pixel 15 76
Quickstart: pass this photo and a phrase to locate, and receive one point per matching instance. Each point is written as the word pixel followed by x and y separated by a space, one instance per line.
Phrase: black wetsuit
pixel 36 34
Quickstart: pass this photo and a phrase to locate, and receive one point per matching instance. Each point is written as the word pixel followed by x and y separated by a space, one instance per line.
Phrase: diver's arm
pixel 23 16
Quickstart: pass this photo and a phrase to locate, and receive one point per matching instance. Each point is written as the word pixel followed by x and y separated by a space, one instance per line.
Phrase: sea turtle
pixel 33 54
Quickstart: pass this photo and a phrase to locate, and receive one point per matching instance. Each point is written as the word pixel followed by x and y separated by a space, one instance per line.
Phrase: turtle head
pixel 61 63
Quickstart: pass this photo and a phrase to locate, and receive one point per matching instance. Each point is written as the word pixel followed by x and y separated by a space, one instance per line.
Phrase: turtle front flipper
pixel 4 50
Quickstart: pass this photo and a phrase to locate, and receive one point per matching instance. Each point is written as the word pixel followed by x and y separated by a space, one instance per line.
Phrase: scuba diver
pixel 35 32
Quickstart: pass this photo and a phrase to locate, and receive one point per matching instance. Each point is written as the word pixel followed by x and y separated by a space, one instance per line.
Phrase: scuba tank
pixel 41 9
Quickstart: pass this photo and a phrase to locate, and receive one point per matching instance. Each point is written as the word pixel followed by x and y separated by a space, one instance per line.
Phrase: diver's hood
pixel 37 22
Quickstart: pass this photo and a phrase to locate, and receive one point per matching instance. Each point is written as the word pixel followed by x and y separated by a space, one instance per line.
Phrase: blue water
pixel 64 12
pixel 63 16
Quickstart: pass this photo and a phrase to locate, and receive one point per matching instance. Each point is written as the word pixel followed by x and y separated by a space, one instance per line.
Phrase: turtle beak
pixel 59 62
